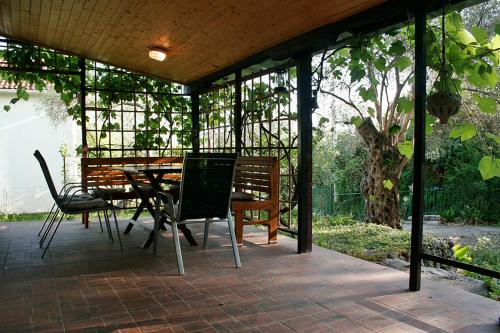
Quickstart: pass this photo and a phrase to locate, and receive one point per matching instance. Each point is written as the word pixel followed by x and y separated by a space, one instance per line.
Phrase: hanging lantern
pixel 445 101
pixel 281 81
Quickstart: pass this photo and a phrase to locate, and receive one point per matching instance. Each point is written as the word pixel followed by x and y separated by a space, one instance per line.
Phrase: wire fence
pixel 450 203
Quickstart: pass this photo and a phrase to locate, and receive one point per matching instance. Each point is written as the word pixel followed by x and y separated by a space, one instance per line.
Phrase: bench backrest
pixel 101 172
pixel 258 174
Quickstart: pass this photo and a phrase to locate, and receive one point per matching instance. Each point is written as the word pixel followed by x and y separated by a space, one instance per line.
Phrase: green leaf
pixel 464 131
pixel 461 252
pixel 14 100
pixel 323 121
pixel 465 37
pixel 357 72
pixel 489 167
pixel 380 64
pixel 22 93
pixel 458 57
pixel 39 85
pixel 405 105
pixel 494 137
pixel 453 22
pixel 371 111
pixel 356 121
pixel 482 76
pixel 367 94
pixel 394 129
pixel 388 184
pixel 6 107
pixel 480 34
pixel 406 149
pixel 355 53
pixel 485 104
pixel 397 48
pixel 497 29
pixel 403 63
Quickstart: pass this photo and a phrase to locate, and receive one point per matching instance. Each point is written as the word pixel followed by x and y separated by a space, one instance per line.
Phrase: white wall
pixel 24 129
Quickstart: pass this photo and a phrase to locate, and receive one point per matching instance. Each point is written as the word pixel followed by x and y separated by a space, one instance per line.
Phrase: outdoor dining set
pixel 198 188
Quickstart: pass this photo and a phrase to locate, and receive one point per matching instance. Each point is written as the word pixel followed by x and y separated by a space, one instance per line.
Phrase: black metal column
pixel 195 119
pixel 304 184
pixel 83 106
pixel 238 120
pixel 83 124
pixel 419 150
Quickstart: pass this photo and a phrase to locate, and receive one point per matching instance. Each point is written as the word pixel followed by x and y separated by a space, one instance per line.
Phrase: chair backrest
pixel 206 186
pixel 48 177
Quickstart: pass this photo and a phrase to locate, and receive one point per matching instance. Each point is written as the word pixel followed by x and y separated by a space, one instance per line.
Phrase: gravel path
pixel 467 233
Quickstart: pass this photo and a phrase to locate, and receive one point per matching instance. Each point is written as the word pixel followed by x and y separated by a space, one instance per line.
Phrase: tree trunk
pixel 384 163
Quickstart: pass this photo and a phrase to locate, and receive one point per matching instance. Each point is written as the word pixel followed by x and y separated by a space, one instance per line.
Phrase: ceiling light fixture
pixel 157 53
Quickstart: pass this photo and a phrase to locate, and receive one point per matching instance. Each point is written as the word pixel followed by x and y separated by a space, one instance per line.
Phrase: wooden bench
pixel 102 172
pixel 258 177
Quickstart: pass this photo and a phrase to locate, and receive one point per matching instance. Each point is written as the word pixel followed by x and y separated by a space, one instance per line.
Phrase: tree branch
pixel 350 103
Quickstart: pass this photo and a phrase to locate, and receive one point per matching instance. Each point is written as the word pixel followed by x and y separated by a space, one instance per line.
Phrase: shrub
pixel 486 253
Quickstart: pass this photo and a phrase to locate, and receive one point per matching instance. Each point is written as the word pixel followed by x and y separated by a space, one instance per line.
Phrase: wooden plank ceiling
pixel 201 36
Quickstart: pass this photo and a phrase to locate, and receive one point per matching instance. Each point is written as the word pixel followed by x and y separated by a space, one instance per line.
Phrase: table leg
pixel 183 228
pixel 134 218
pixel 128 228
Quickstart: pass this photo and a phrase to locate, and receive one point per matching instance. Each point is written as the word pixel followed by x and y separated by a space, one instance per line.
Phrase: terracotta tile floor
pixel 85 284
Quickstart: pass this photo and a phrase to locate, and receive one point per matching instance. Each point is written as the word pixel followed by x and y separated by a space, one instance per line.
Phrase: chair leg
pixel 49 226
pixel 156 228
pixel 117 229
pixel 236 252
pixel 238 220
pixel 205 235
pixel 46 219
pixel 108 225
pixel 52 237
pixel 178 253
pixel 100 222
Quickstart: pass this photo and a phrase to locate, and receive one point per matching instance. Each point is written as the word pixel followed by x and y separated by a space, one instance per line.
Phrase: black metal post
pixel 195 119
pixel 83 119
pixel 419 150
pixel 304 184
pixel 83 106
pixel 238 120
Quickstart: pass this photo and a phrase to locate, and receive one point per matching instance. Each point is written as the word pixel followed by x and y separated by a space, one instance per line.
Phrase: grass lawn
pixel 40 217
pixel 366 241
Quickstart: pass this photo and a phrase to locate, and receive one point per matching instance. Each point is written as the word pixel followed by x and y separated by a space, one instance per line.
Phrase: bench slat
pixel 264 169
pixel 245 180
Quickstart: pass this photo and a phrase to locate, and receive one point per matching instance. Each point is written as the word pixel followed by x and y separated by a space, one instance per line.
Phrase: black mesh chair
pixel 71 201
pixel 65 192
pixel 205 195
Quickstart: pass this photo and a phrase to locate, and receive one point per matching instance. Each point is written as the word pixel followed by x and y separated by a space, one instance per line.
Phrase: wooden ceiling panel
pixel 201 37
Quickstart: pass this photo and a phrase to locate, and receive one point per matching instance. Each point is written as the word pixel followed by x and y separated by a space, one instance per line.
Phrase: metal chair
pixel 205 195
pixel 71 202
pixel 66 192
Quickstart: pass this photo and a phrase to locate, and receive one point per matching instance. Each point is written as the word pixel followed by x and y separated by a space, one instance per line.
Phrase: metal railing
pixel 447 202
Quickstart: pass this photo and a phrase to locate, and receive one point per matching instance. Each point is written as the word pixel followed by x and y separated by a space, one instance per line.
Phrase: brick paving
pixel 85 284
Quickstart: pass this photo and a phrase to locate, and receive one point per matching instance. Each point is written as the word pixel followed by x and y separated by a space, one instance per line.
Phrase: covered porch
pixel 215 83
pixel 276 290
